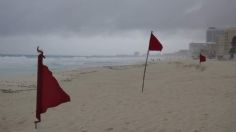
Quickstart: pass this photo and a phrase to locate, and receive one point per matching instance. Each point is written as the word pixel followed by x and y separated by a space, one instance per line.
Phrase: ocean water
pixel 27 64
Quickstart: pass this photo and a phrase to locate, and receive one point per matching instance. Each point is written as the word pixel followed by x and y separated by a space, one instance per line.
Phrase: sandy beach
pixel 179 96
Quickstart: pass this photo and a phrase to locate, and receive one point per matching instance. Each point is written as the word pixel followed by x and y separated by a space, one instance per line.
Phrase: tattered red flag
pixel 49 92
pixel 154 43
pixel 202 58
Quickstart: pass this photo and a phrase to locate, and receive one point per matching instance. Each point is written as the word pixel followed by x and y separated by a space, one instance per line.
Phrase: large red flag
pixel 202 58
pixel 154 43
pixel 49 92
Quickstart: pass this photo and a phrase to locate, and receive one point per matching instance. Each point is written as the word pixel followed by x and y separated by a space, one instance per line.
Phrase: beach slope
pixel 179 96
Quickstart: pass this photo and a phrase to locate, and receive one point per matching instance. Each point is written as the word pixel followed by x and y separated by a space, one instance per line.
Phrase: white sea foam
pixel 13 64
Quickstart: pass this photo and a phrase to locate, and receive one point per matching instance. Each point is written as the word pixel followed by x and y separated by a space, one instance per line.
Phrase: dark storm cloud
pixel 19 17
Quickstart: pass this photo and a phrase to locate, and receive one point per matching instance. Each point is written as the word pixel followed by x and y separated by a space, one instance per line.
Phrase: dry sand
pixel 179 96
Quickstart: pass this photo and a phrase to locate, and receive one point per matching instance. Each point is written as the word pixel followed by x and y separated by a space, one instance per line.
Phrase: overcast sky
pixel 107 27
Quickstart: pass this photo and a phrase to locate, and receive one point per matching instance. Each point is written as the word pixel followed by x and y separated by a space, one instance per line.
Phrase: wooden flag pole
pixel 145 69
pixel 200 59
pixel 40 61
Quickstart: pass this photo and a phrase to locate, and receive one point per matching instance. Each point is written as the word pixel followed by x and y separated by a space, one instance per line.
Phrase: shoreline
pixel 65 75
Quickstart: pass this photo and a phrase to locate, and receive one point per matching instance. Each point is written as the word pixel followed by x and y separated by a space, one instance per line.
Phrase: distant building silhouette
pixel 224 43
pixel 196 48
pixel 218 44
pixel 212 34
pixel 136 53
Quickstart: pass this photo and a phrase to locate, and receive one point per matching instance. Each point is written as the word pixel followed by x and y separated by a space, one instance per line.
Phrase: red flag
pixel 49 92
pixel 202 58
pixel 154 43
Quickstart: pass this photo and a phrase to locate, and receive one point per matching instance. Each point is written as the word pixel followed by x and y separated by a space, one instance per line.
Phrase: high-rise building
pixel 224 42
pixel 212 34
pixel 218 43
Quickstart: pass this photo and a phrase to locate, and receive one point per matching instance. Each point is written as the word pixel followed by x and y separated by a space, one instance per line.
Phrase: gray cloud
pixel 107 26
pixel 105 16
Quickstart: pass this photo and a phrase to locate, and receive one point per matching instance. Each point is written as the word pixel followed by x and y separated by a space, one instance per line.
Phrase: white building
pixel 212 34
pixel 218 43
pixel 223 43
pixel 196 48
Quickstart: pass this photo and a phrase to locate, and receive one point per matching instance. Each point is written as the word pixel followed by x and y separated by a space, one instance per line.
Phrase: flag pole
pixel 154 45
pixel 145 69
pixel 199 59
pixel 39 81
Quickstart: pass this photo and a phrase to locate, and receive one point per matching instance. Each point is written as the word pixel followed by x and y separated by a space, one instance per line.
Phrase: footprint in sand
pixel 178 130
pixel 109 129
pixel 162 130
pixel 127 123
